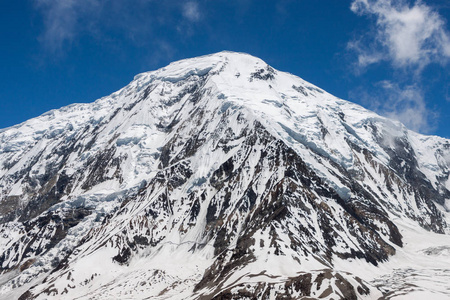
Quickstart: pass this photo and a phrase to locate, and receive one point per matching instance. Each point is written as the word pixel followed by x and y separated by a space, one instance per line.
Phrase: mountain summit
pixel 219 177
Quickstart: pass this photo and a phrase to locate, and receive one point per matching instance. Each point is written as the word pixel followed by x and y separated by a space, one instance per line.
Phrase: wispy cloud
pixel 447 93
pixel 404 103
pixel 64 21
pixel 191 11
pixel 405 35
pixel 408 106
pixel 60 22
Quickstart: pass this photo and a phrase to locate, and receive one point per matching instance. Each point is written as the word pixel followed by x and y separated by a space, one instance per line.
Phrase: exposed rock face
pixel 213 178
pixel 319 285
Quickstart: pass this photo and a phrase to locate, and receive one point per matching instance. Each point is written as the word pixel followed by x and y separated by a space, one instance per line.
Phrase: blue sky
pixel 391 56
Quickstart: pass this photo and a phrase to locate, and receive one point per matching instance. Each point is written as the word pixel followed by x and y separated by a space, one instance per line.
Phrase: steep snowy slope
pixel 220 177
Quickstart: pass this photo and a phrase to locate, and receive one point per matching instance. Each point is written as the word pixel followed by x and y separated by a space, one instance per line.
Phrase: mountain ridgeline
pixel 216 177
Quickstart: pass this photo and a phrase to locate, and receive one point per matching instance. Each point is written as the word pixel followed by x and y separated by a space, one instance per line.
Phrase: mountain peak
pixel 203 64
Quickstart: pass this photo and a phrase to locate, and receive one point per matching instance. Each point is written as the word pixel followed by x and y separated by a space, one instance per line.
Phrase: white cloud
pixel 191 11
pixel 447 94
pixel 60 20
pixel 402 103
pixel 64 21
pixel 407 36
pixel 407 105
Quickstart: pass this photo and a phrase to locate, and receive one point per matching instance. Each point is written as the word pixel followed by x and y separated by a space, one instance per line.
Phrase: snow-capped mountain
pixel 219 177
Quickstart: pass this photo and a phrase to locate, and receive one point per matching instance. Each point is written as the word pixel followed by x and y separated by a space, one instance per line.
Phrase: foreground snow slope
pixel 219 176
